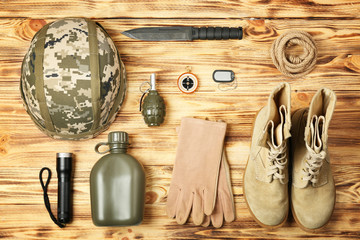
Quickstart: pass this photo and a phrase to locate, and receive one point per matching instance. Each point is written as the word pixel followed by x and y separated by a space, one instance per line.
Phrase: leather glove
pixel 196 170
pixel 224 206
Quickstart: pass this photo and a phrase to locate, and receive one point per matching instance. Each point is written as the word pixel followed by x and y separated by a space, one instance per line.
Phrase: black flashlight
pixel 64 169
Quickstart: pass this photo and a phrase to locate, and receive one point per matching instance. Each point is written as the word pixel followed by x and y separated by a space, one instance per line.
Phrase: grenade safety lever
pixel 153 106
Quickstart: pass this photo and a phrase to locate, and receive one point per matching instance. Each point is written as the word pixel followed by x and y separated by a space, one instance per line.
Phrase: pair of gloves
pixel 201 184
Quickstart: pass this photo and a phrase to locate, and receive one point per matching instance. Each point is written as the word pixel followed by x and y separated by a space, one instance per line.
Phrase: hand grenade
pixel 153 107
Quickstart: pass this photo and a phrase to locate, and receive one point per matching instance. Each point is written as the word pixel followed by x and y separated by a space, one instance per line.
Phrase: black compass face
pixel 188 83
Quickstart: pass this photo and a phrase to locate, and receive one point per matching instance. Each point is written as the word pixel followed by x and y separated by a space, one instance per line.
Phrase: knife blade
pixel 184 33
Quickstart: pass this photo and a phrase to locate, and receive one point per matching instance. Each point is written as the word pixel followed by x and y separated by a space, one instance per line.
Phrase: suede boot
pixel 266 174
pixel 313 189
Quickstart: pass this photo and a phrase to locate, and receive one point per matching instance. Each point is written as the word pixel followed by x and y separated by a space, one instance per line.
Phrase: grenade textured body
pixel 72 80
pixel 153 109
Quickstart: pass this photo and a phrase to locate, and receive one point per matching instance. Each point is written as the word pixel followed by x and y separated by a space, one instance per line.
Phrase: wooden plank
pixel 249 58
pixel 23 183
pixel 182 9
pixel 156 225
pixel 237 109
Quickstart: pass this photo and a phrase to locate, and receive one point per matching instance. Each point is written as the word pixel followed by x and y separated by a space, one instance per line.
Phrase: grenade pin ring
pixel 141 86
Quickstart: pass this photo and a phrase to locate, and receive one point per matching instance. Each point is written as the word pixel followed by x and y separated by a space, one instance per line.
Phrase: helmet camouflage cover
pixel 73 81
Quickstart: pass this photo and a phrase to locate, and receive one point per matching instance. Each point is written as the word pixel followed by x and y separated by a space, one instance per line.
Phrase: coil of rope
pixel 292 65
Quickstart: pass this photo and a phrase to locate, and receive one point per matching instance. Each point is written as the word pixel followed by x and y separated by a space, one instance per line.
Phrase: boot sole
pixel 270 227
pixel 309 230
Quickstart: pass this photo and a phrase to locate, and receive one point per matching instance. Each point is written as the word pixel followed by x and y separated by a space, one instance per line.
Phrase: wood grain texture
pixel 24 150
pixel 182 9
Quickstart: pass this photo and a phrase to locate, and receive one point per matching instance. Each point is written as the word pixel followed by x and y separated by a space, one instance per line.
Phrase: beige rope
pixel 294 66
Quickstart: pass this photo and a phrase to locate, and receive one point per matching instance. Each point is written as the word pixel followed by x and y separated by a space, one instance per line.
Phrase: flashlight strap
pixel 46 197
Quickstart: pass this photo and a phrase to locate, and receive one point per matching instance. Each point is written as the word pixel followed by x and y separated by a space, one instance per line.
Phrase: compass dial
pixel 188 83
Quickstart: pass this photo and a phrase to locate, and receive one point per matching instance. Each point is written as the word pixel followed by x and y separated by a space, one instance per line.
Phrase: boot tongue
pixel 277 134
pixel 276 129
pixel 277 137
pixel 322 104
pixel 312 133
pixel 320 128
pixel 317 128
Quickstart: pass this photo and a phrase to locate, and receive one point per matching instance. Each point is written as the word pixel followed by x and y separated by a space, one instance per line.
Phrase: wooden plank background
pixel 24 150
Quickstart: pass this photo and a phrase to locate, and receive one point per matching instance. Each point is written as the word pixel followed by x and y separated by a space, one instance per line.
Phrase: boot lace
pixel 313 164
pixel 277 159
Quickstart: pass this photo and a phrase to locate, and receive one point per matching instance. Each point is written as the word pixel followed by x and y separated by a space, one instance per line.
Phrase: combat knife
pixel 184 33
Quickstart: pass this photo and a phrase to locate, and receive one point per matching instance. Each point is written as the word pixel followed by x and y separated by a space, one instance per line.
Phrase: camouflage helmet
pixel 73 81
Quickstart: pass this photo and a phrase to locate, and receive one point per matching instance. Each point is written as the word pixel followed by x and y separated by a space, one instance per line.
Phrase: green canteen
pixel 117 185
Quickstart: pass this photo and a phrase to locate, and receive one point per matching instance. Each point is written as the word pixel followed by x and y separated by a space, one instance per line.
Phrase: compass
pixel 188 82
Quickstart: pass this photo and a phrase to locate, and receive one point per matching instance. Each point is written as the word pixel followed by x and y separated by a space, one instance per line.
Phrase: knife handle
pixel 217 33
